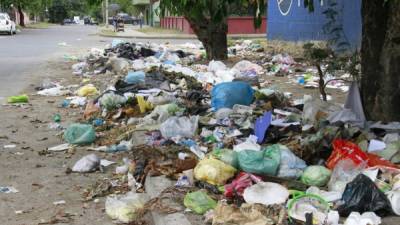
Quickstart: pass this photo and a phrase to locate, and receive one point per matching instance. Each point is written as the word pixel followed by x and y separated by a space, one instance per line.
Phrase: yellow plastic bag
pixel 213 171
pixel 87 90
pixel 143 105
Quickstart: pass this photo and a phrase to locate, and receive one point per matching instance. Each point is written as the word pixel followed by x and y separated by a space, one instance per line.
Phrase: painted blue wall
pixel 300 25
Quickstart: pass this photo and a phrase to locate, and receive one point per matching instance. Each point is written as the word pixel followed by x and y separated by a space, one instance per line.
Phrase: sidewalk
pixel 133 32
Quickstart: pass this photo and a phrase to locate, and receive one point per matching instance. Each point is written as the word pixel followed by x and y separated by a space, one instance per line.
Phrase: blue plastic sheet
pixel 261 126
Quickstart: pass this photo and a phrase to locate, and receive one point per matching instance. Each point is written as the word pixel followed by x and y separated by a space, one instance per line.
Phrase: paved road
pixel 25 54
pixel 28 51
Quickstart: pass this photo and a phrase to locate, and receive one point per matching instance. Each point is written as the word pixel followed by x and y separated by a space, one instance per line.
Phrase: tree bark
pixel 21 16
pixel 380 60
pixel 213 36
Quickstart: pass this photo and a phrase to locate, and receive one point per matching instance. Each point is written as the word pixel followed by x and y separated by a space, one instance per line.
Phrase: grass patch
pixel 158 30
pixel 108 32
pixel 41 25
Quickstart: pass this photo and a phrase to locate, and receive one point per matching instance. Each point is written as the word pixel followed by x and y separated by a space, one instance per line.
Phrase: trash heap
pixel 237 151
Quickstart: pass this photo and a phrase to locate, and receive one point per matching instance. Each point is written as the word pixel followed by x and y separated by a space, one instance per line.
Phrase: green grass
pixel 40 25
pixel 157 30
pixel 108 32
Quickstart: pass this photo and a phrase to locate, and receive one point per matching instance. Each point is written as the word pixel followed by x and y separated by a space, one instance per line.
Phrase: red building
pixel 236 25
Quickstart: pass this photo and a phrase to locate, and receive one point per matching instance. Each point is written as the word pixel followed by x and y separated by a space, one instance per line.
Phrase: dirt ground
pixel 41 178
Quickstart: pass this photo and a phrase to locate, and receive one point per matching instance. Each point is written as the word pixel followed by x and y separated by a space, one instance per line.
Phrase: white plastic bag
pixel 179 127
pixel 87 164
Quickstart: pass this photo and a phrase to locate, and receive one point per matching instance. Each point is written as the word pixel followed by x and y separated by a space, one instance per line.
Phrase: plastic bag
pixel 135 77
pixel 345 171
pixel 249 144
pixel 125 208
pixel 290 166
pixel 367 218
pixel 266 193
pixel 179 126
pixel 87 164
pixel 227 156
pixel 18 99
pixel 247 68
pixel 316 176
pixel 362 195
pixel 261 126
pixel 226 95
pixel 215 66
pixel 143 104
pixel 112 100
pixel 240 183
pixel 345 150
pixel 80 134
pixel 87 90
pixel 264 162
pixel 213 171
pixel 199 202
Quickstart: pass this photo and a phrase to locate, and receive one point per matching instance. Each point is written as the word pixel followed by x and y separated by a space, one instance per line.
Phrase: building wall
pixel 292 22
pixel 236 25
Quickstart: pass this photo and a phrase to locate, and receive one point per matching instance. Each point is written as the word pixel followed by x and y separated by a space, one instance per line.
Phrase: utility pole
pixel 106 13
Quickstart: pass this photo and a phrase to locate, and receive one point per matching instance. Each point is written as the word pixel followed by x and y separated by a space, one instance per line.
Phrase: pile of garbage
pixel 241 153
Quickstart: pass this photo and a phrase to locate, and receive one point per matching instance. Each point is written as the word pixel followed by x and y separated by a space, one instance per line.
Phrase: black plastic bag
pixel 362 195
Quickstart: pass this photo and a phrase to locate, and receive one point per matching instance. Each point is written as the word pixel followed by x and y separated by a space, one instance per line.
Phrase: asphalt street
pixel 24 55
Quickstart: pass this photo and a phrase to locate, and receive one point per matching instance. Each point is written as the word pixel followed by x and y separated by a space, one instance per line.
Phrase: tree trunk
pixel 380 60
pixel 21 17
pixel 213 36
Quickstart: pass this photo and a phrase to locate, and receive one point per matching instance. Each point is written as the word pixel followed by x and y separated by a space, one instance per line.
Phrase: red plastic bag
pixel 241 182
pixel 347 150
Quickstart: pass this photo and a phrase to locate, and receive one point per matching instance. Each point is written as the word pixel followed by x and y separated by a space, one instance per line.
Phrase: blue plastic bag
pixel 226 95
pixel 135 77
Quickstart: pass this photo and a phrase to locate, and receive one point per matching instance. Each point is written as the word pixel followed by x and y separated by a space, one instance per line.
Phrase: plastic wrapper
pixel 112 100
pixel 135 77
pixel 87 90
pixel 344 172
pixel 199 202
pixel 87 164
pixel 240 183
pixel 213 171
pixel 179 127
pixel 80 134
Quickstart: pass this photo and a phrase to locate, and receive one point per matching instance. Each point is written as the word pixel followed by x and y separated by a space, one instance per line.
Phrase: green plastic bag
pixel 227 156
pixel 80 134
pixel 316 176
pixel 265 162
pixel 18 99
pixel 199 202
